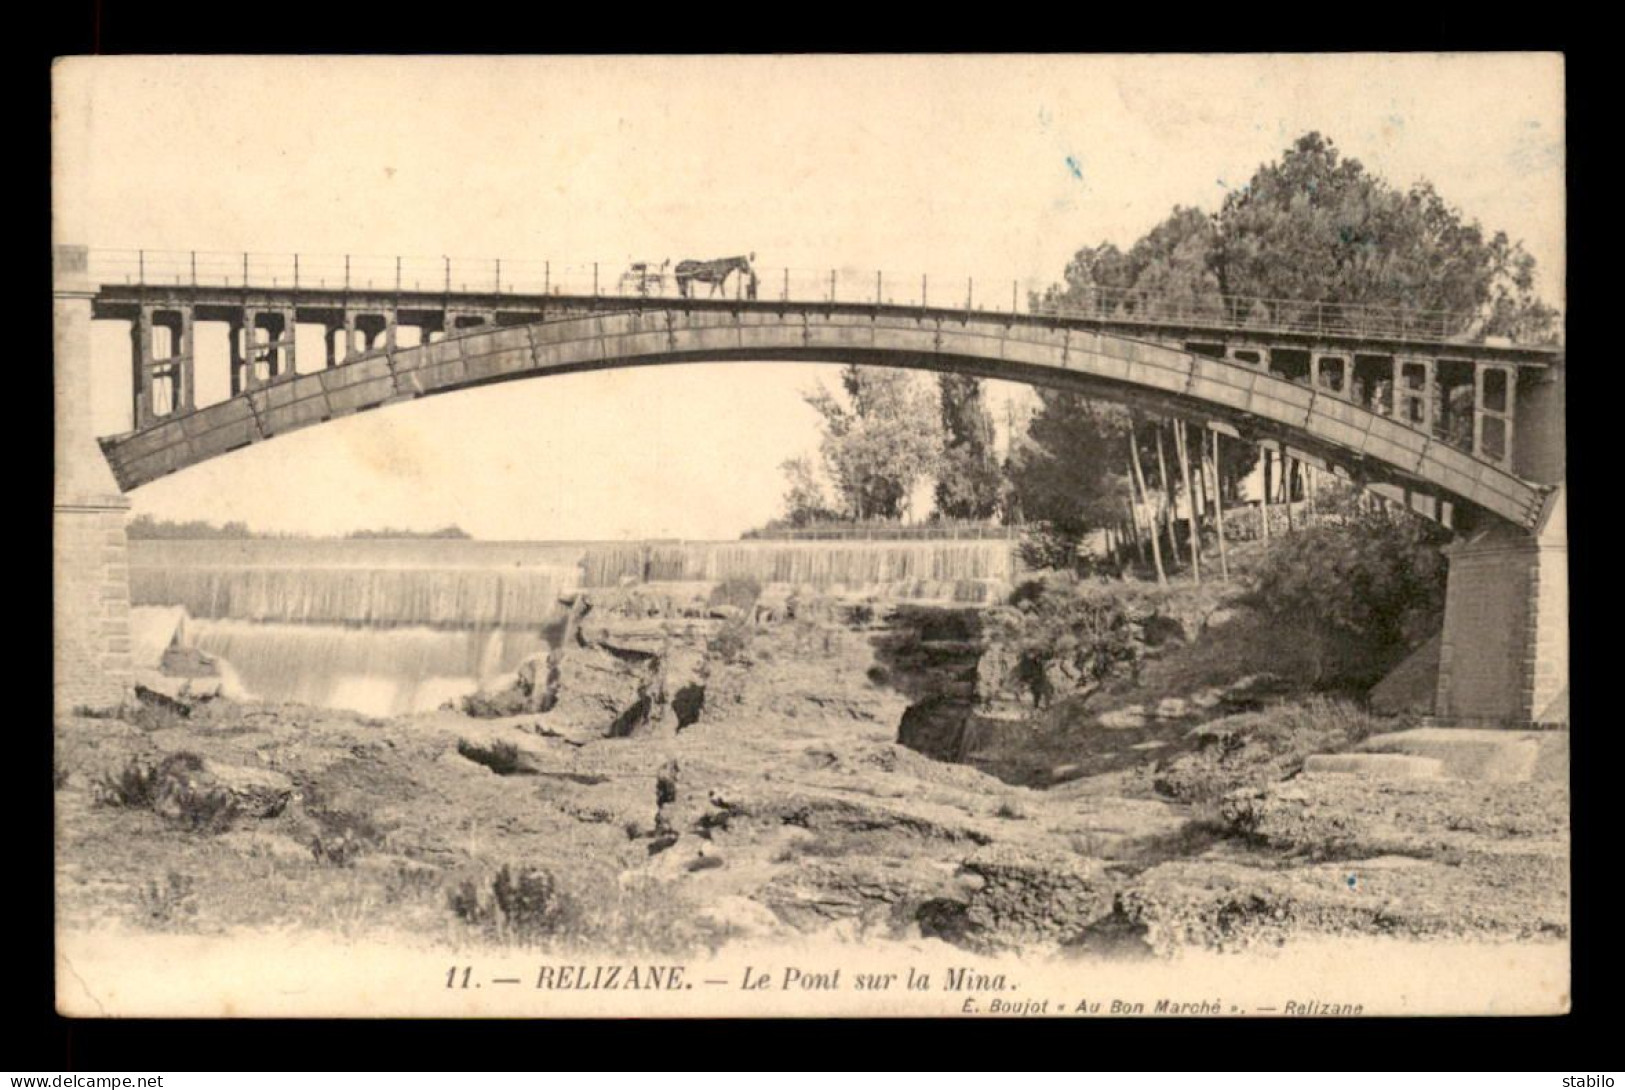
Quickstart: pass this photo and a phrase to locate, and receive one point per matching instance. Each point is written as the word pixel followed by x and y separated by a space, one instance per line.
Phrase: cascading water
pixel 376 671
pixel 378 627
pixel 395 626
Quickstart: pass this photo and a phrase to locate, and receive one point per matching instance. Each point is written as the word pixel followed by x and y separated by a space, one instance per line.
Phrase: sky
pixel 994 167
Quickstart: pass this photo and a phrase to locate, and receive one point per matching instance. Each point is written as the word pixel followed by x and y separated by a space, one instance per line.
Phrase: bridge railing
pixel 845 285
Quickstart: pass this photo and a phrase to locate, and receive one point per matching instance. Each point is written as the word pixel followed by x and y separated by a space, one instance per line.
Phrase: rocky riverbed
pixel 679 776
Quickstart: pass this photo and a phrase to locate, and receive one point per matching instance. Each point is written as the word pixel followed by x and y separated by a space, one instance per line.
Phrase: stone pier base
pixel 91 608
pixel 1504 658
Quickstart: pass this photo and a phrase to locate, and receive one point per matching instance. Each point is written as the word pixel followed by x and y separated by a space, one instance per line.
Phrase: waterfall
pixel 392 671
pixel 956 570
pixel 382 627
pixel 393 626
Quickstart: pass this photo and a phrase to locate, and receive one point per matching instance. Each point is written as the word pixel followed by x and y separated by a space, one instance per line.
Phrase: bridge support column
pixel 1494 412
pixel 1329 372
pixel 141 368
pixel 90 574
pixel 175 368
pixel 1413 391
pixel 1504 656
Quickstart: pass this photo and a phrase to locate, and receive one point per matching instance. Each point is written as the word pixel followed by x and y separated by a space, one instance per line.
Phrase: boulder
pixel 1131 717
pixel 1375 766
pixel 258 792
pixel 1034 896
pixel 591 688
pixel 184 779
pixel 1173 707
pixel 741 917
pixel 189 662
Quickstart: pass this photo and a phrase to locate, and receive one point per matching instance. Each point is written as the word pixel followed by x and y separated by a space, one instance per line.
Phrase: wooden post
pixel 1190 499
pixel 1134 524
pixel 1218 511
pixel 1168 494
pixel 1264 507
pixel 1139 479
pixel 1288 466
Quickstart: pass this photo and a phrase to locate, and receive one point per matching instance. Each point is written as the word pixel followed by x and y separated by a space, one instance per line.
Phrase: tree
pixel 1174 261
pixel 879 441
pixel 1313 226
pixel 970 484
pixel 804 499
pixel 1070 472
pixel 1316 226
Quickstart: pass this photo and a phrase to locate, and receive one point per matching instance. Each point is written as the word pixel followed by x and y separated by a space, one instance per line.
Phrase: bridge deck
pixel 1252 402
pixel 1283 324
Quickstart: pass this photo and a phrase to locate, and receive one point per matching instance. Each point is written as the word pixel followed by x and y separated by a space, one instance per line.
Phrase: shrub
pixel 738 591
pixel 134 787
pixel 1359 590
pixel 204 811
pixel 500 757
pixel 174 788
pixel 1045 547
pixel 523 904
pixel 345 836
pixel 1051 634
pixel 731 641
pixel 1258 748
pixel 170 901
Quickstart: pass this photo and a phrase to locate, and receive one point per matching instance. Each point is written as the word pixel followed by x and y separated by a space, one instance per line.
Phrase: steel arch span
pixel 1318 424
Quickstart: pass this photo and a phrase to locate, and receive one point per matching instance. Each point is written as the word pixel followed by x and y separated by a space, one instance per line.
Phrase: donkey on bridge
pixel 715 273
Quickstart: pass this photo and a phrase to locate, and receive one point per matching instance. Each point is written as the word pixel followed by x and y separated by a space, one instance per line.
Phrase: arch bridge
pixel 1466 431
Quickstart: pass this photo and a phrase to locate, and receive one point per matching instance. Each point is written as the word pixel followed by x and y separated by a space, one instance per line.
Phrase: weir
pixel 396 626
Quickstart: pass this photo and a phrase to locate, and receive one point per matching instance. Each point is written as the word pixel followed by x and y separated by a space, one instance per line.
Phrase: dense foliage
pixel 1360 590
pixel 145 527
pixel 1316 226
pixel 970 481
pixel 881 439
pixel 1053 639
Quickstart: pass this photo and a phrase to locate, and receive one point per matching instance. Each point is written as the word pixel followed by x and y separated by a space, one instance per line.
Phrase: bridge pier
pixel 1504 655
pixel 90 572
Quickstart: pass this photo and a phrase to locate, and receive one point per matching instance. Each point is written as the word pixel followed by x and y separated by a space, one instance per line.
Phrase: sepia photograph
pixel 961 536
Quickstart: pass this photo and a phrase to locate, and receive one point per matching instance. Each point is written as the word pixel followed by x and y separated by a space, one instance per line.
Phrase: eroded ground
pixel 785 809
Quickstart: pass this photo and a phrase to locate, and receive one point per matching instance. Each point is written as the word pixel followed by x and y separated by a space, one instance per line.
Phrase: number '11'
pixel 451 976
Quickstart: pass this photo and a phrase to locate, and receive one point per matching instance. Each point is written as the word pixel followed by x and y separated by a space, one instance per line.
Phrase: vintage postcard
pixel 964 536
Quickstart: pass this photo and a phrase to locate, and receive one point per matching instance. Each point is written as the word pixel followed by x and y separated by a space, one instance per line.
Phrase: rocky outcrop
pixel 1029 896
pixel 187 787
pixel 617 673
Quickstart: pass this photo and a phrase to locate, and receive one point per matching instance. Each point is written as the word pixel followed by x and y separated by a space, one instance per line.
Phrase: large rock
pixel 590 686
pixel 1375 766
pixel 258 792
pixel 1504 756
pixel 1031 896
pixel 185 780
